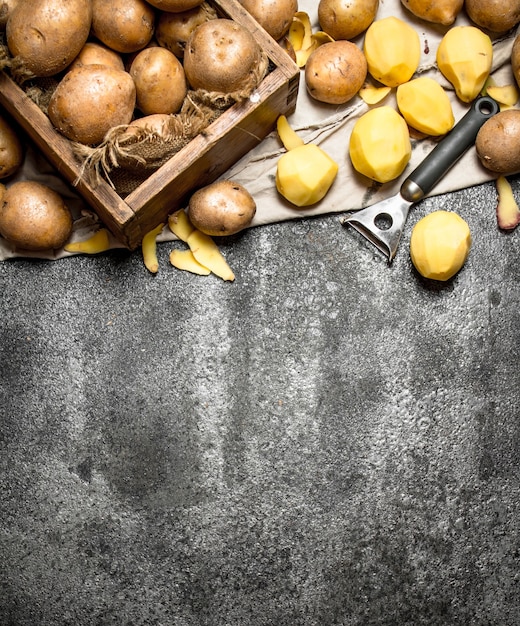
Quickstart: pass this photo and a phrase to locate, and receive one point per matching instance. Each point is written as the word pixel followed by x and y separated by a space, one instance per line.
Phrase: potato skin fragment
pixel 206 252
pixel 98 242
pixel 184 260
pixel 149 249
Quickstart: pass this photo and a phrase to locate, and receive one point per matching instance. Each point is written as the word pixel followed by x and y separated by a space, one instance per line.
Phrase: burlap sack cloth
pixel 328 126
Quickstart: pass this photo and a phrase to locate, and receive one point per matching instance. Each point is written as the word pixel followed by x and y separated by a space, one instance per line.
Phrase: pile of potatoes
pixel 119 60
pixel 124 63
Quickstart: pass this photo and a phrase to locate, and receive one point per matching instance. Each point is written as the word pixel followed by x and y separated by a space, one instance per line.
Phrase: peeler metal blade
pixel 383 223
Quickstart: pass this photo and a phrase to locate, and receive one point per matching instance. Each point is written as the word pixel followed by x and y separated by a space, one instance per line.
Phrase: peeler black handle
pixel 449 150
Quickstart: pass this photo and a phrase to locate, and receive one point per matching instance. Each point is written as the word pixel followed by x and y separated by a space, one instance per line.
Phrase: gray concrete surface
pixel 328 441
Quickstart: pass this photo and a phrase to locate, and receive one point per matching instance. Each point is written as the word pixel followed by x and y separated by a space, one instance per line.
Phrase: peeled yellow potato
pixel 305 173
pixel 465 56
pixel 440 244
pixel 425 106
pixel 380 146
pixel 393 50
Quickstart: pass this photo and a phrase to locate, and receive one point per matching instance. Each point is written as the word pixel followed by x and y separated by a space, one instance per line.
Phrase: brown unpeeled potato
pixel 439 12
pixel 221 208
pixel 94 53
pixel 335 72
pixel 274 16
pixel 11 151
pixel 175 6
pixel 222 56
pixel 346 19
pixel 90 100
pixel 498 142
pixel 497 16
pixel 45 36
pixel 34 217
pixel 123 25
pixel 160 81
pixel 173 30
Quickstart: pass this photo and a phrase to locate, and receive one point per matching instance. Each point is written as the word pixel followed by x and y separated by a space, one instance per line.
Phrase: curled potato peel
pixel 465 56
pixel 303 41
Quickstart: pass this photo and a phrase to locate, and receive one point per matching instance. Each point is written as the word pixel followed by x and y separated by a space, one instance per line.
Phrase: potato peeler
pixel 383 223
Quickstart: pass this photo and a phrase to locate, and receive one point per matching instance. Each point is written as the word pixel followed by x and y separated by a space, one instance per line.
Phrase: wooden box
pixel 205 158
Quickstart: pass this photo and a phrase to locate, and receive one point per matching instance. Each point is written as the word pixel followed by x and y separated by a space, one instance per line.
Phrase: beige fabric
pixel 328 126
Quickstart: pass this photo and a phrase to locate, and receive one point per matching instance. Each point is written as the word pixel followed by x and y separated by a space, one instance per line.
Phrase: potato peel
pixel 508 212
pixel 149 249
pixel 288 136
pixel 305 173
pixel 184 260
pixel 202 256
pixel 98 242
pixel 206 252
pixel 180 225
pixel 304 42
pixel 506 95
